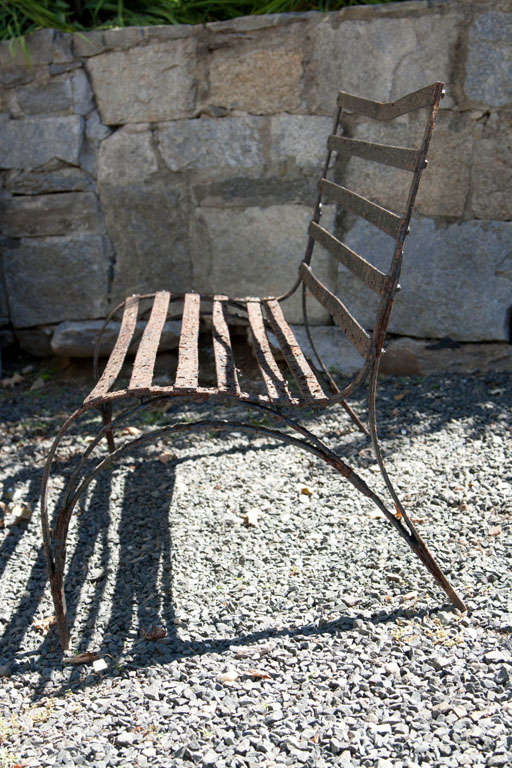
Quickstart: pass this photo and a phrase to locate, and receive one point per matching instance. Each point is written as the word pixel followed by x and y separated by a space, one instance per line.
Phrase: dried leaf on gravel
pixel 11 381
pixel 251 518
pixel 155 633
pixel 99 665
pixel 82 658
pixel 229 676
pixel 20 513
pixel 305 491
pixel 401 395
pixel 43 625
pixel 166 457
pixel 258 674
pixel 38 384
pixel 133 431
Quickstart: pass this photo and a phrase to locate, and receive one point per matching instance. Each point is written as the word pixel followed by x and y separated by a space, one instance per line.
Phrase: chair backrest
pixel 396 225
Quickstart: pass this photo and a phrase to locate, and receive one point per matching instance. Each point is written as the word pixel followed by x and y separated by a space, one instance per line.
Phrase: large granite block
pixel 489 60
pixel 149 230
pixel 29 143
pixel 46 215
pixel 456 279
pixel 145 216
pixel 78 339
pixel 256 81
pixel 381 57
pixel 256 252
pixel 298 143
pixel 145 84
pixel 209 144
pixel 127 157
pixel 56 278
pixel 491 171
pixel 51 177
pixel 45 98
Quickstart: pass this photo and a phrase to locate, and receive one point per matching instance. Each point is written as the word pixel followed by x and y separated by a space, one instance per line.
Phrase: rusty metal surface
pixel 397 157
pixel 424 97
pixel 344 319
pixel 104 396
pixel 187 372
pixel 366 272
pixel 275 382
pixel 227 379
pixel 380 217
pixel 118 354
pixel 142 374
pixel 299 366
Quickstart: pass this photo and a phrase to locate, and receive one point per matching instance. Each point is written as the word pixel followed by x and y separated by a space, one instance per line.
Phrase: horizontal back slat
pixel 366 272
pixel 142 374
pixel 386 220
pixel 346 321
pixel 377 110
pixel 398 157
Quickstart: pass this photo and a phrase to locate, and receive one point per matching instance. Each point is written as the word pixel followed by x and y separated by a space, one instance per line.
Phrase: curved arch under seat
pixel 143 318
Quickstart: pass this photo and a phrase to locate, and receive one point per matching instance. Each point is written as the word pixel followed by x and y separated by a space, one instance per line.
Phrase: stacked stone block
pixel 187 158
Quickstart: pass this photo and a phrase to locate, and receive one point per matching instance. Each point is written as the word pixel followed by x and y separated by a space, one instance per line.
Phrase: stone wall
pixel 187 157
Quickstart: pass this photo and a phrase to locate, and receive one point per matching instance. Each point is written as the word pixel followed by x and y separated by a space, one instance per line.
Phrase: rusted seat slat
pixel 187 371
pixel 346 321
pixel 366 272
pixel 398 157
pixel 275 383
pixel 227 379
pixel 142 374
pixel 424 97
pixel 388 221
pixel 299 366
pixel 118 354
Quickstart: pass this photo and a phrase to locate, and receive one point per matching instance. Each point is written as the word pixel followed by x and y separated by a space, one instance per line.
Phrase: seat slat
pixel 299 366
pixel 388 221
pixel 346 321
pixel 398 157
pixel 187 372
pixel 227 380
pixel 118 354
pixel 424 97
pixel 274 381
pixel 366 272
pixel 142 374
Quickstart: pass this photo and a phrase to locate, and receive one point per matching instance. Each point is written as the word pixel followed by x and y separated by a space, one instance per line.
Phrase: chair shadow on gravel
pixel 142 591
pixel 141 597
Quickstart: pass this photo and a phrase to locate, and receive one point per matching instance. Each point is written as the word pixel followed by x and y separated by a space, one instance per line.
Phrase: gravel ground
pixel 299 629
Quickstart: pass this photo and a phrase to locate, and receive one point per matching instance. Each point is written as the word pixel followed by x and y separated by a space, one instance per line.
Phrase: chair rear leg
pixel 412 536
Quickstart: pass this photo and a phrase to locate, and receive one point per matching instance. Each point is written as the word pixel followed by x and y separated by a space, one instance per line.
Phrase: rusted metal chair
pixel 315 387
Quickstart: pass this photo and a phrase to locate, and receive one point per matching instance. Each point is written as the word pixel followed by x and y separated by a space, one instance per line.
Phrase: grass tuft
pixel 19 17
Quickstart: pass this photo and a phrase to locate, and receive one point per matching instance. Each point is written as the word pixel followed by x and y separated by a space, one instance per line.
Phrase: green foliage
pixel 18 17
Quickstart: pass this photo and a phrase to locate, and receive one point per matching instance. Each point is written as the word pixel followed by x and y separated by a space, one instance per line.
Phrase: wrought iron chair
pixel 315 387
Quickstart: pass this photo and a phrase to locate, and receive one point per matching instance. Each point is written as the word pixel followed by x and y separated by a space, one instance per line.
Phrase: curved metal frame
pixel 55 540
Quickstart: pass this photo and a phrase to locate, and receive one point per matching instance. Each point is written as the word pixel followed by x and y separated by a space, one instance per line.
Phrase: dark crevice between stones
pixel 508 326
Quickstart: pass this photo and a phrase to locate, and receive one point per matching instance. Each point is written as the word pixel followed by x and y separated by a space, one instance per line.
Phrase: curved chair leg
pixel 412 536
pixel 55 556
